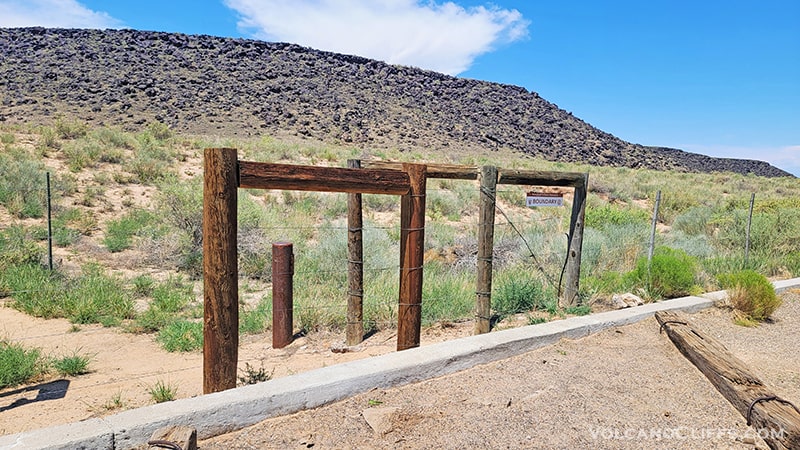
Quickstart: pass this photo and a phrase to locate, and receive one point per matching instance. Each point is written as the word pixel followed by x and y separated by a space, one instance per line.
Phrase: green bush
pixel 694 221
pixel 181 336
pixel 516 292
pixel 447 294
pixel 120 232
pixel 22 185
pixel 19 365
pixel 750 293
pixel 172 295
pixel 71 129
pixel 72 365
pixel 17 249
pixel 36 290
pixel 256 320
pixel 604 215
pixel 670 274
pixel 95 297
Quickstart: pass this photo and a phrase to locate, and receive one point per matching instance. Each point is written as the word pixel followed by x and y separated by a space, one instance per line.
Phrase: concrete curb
pixel 234 409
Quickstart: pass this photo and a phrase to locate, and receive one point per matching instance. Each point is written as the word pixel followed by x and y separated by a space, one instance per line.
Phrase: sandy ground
pixel 125 366
pixel 623 388
pixel 595 392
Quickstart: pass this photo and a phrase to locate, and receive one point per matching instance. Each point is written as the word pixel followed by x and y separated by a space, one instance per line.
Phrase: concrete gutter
pixel 223 412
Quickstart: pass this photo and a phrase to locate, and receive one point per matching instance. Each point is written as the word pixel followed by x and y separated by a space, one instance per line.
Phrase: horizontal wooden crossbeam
pixel 258 175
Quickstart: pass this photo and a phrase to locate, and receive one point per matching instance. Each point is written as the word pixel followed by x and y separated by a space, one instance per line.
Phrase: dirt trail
pixel 623 388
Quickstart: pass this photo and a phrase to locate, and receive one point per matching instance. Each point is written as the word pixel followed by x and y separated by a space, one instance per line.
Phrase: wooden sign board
pixel 544 199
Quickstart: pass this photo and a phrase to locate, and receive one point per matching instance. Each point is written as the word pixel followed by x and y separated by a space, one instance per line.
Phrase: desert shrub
pixel 120 232
pixel 615 247
pixel 791 262
pixel 378 202
pixel 22 185
pixel 172 295
pixel 36 291
pixel 751 294
pixel 607 282
pixel 181 336
pixel 16 248
pixel 256 320
pixel 694 221
pixel 81 154
pixel 159 131
pixel 605 215
pixel 162 392
pixel 113 137
pixel 95 297
pixel 443 204
pixel 670 274
pixel 70 129
pixel 675 203
pixel 516 291
pixel 180 242
pixel 447 294
pixel 143 285
pixel 776 233
pixel 19 365
pixel 72 365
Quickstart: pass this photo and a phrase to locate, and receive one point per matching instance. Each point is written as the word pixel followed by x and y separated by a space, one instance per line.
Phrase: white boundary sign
pixel 544 199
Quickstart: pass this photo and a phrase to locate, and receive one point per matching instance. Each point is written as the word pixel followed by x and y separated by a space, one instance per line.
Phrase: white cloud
pixel 52 13
pixel 444 37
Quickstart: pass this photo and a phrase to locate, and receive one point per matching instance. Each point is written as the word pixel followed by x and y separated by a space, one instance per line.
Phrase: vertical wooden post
pixel 355 272
pixel 573 274
pixel 412 247
pixel 220 271
pixel 483 285
pixel 282 294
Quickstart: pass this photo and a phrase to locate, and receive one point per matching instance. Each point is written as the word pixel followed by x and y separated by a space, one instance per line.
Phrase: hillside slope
pixel 237 87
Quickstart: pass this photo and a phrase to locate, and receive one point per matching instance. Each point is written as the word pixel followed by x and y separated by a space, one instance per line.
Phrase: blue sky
pixel 719 77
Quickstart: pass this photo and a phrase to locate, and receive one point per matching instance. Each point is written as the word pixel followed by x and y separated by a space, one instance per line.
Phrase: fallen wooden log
pixel 776 420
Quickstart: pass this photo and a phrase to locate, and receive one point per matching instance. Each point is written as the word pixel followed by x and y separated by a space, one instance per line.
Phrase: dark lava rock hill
pixel 223 86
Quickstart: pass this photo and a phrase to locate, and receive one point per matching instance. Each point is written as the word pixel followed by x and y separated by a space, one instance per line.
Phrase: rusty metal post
pixel 282 298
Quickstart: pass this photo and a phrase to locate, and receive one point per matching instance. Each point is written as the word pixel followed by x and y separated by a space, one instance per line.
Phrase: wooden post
pixel 412 247
pixel 282 294
pixel 483 285
pixel 775 419
pixel 573 275
pixel 220 271
pixel 355 272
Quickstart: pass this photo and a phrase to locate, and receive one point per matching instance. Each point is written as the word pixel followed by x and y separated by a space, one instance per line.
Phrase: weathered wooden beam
pixel 220 271
pixel 259 175
pixel 448 171
pixel 483 282
pixel 776 420
pixel 573 267
pixel 412 248
pixel 539 178
pixel 183 437
pixel 355 266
